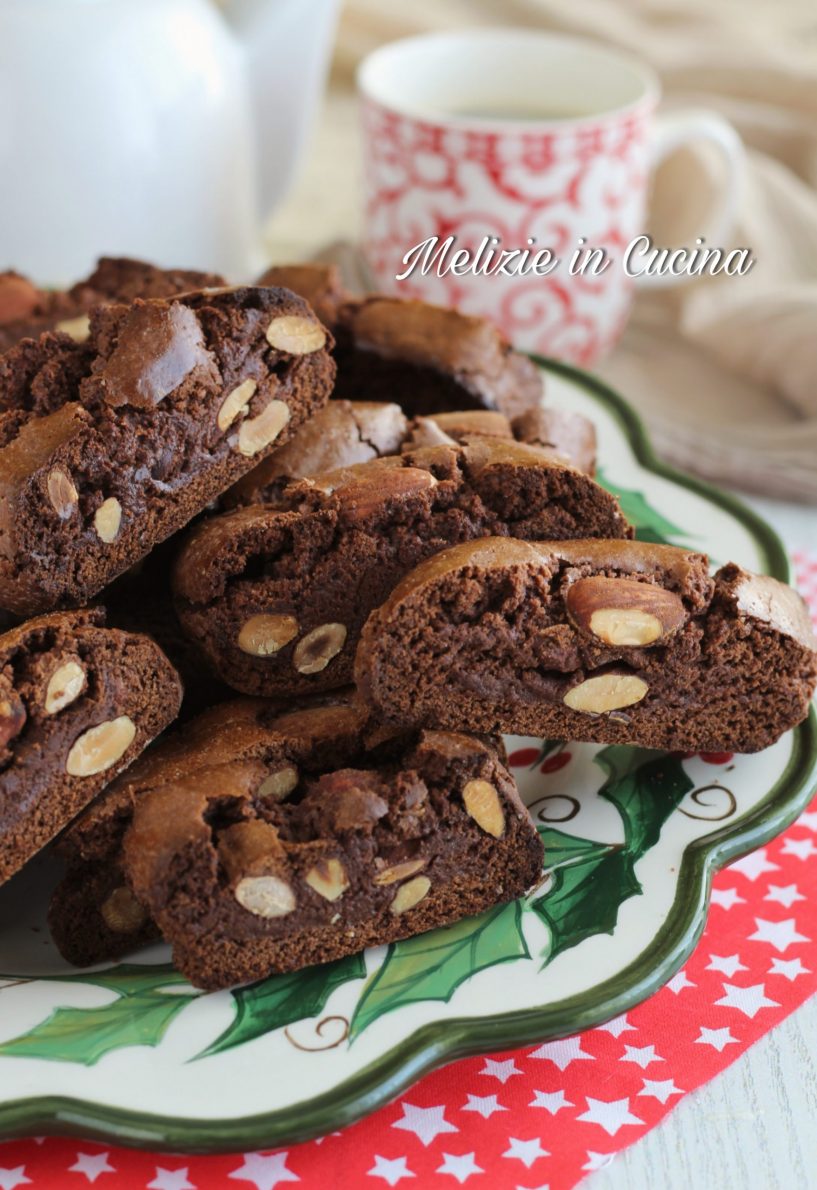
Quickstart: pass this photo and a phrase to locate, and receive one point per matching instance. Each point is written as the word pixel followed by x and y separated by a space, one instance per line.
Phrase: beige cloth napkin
pixel 724 370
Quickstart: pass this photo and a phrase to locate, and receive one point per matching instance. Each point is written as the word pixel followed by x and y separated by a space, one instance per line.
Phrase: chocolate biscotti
pixel 344 433
pixel 108 447
pixel 341 434
pixel 614 642
pixel 93 915
pixel 26 310
pixel 426 358
pixel 276 597
pixel 318 284
pixel 563 433
pixel 78 703
pixel 362 851
pixel 429 359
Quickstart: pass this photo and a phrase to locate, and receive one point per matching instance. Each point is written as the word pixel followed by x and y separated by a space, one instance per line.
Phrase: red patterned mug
pixel 538 147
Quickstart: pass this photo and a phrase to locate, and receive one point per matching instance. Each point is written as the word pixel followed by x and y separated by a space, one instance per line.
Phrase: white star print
pixel 726 964
pixel 526 1151
pixel 486 1105
pixel 679 982
pixel 785 895
pixel 779 934
pixel 501 1070
pixel 552 1101
pixel 754 864
pixel 609 1114
pixel 802 848
pixel 597 1160
pixel 92 1165
pixel 265 1172
pixel 749 1001
pixel 808 820
pixel 171 1179
pixel 726 897
pixel 9 1178
pixel 618 1025
pixel 791 968
pixel 660 1090
pixel 461 1167
pixel 390 1171
pixel 425 1122
pixel 642 1056
pixel 717 1038
pixel 562 1053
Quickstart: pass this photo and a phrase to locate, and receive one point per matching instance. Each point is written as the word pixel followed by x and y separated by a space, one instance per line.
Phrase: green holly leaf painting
pixel 284 999
pixel 129 978
pixel 650 524
pixel 645 786
pixel 85 1035
pixel 592 880
pixel 124 978
pixel 432 966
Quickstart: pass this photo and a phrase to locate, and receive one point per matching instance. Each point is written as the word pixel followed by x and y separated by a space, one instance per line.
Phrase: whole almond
pixel 78 328
pixel 624 613
pixel 279 784
pixel 313 653
pixel 606 692
pixel 62 493
pixel 108 519
pixel 257 433
pixel 295 334
pixel 328 879
pixel 481 800
pixel 410 894
pixel 263 635
pixel 235 404
pixel 399 871
pixel 265 896
pixel 64 686
pixel 100 747
pixel 121 912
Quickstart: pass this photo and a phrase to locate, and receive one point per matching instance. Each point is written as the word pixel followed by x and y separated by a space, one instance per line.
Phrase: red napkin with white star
pixel 540 1117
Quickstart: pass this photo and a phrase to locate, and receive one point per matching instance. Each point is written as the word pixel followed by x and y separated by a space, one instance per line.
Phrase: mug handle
pixel 673 131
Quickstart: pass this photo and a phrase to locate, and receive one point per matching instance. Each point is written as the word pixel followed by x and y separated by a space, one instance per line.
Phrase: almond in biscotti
pixel 623 612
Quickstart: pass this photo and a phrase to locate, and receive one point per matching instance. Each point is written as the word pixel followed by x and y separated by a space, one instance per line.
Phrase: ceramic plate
pixel 134 1054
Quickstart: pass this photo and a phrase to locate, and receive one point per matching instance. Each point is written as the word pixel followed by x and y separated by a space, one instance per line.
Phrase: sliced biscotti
pixel 341 434
pixel 429 359
pixel 344 433
pixel 608 641
pixel 361 849
pixel 78 703
pixel 319 284
pixel 559 432
pixel 276 597
pixel 27 310
pixel 94 915
pixel 108 447
pixel 426 358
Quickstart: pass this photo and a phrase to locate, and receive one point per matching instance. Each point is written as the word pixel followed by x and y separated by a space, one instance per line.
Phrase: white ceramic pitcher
pixel 165 129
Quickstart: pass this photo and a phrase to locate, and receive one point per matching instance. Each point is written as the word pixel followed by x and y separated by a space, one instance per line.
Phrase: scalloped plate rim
pixel 440 1042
